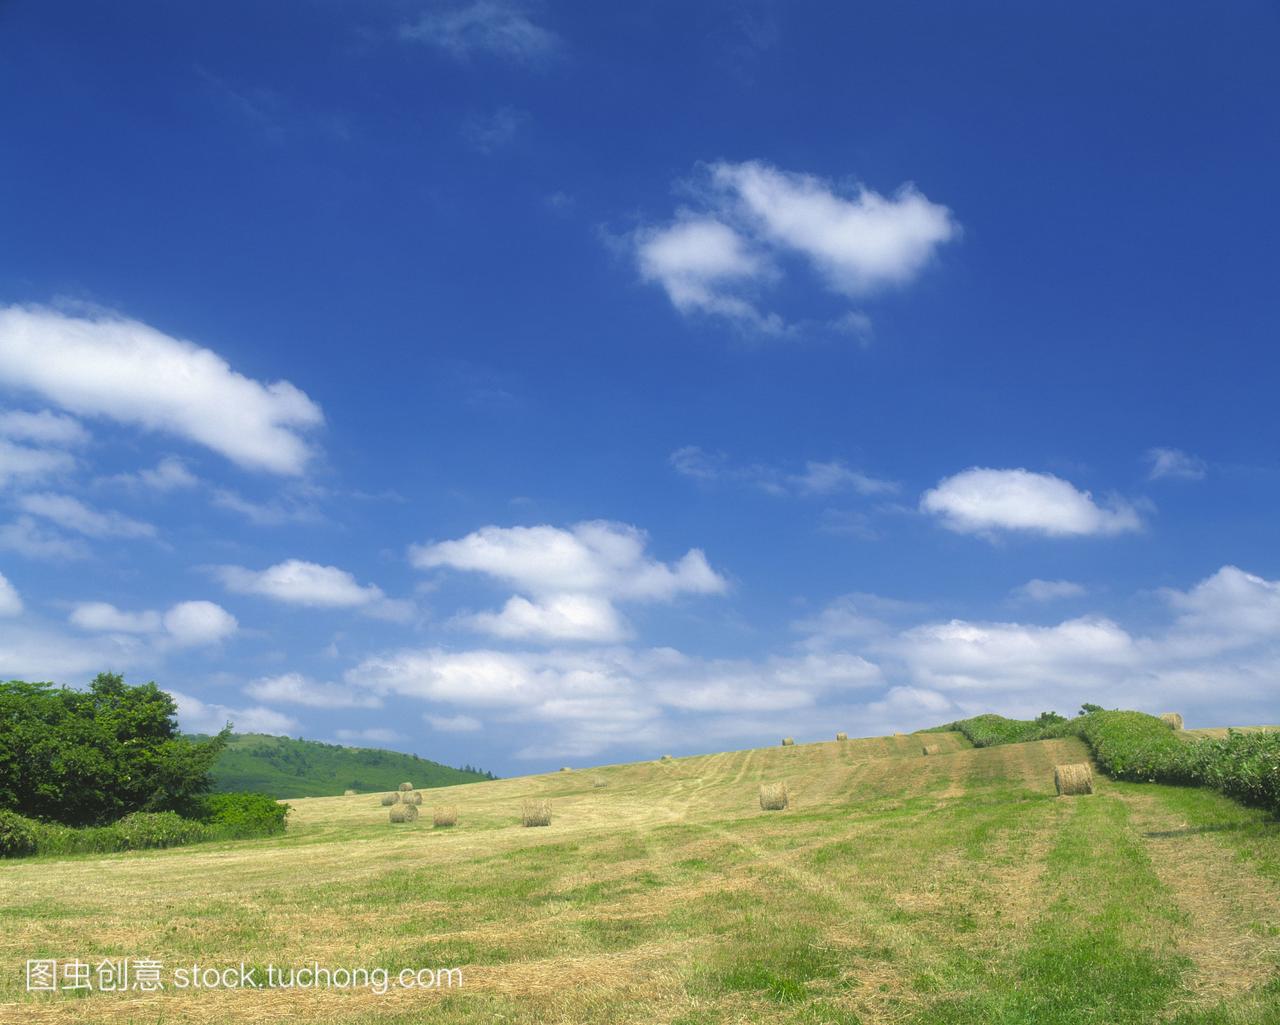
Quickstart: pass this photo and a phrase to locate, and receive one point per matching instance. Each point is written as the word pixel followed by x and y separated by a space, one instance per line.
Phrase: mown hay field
pixel 895 888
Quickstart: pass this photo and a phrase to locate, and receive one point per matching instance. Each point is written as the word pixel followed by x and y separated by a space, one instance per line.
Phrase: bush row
pixel 1140 747
pixel 222 817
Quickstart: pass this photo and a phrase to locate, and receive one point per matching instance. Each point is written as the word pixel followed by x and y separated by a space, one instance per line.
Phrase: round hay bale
pixel 404 813
pixel 348 793
pixel 388 799
pixel 931 749
pixel 1172 719
pixel 536 812
pixel 444 816
pixel 599 781
pixel 1072 780
pixel 411 797
pixel 788 742
pixel 665 758
pixel 565 768
pixel 406 786
pixel 842 735
pixel 774 796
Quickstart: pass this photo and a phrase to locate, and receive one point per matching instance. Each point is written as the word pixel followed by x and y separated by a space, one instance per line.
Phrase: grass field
pixel 954 888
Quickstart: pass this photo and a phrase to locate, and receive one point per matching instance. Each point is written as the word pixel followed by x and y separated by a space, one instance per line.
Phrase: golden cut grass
pixel 1072 780
pixel 774 796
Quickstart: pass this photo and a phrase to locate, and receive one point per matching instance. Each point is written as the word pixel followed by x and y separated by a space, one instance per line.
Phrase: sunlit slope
pixel 897 888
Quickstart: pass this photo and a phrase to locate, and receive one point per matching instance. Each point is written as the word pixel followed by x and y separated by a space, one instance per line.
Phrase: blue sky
pixel 544 383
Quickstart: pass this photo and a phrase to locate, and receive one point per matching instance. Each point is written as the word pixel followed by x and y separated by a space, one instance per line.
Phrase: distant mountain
pixel 283 767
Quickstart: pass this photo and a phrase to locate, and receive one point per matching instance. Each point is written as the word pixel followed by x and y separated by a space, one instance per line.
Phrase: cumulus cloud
pixel 196 716
pixel 296 582
pixel 1048 590
pixel 72 514
pixel 10 600
pixel 296 689
pixel 44 428
pixel 483 27
pixel 983 501
pixel 714 261
pixel 574 576
pixel 109 366
pixel 1172 463
pixel 454 723
pixel 186 624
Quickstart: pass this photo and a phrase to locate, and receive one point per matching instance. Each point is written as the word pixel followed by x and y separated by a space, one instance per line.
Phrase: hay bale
pixel 348 793
pixel 388 799
pixel 536 812
pixel 406 786
pixel 1073 779
pixel 404 813
pixel 411 797
pixel 565 768
pixel 931 749
pixel 788 742
pixel 445 815
pixel 599 781
pixel 842 735
pixel 1172 719
pixel 665 758
pixel 774 796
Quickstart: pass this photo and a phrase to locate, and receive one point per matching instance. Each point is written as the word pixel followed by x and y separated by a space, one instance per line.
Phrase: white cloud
pixel 44 428
pixel 170 474
pixel 373 735
pixel 296 689
pixel 10 600
pixel 30 651
pixel 713 261
pixel 72 514
pixel 454 723
pixel 1175 464
pixel 561 617
pixel 106 365
pixel 981 500
pixel 24 464
pixel 492 132
pixel 818 479
pixel 103 617
pixel 198 717
pixel 28 538
pixel 483 26
pixel 296 582
pixel 199 622
pixel 575 576
pixel 1048 590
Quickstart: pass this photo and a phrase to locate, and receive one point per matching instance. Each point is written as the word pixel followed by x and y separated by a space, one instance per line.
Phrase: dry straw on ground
pixel 446 815
pixel 411 797
pixel 388 799
pixel 1073 779
pixel 788 742
pixel 932 749
pixel 774 796
pixel 842 735
pixel 536 812
pixel 1173 719
pixel 406 786
pixel 348 793
pixel 404 813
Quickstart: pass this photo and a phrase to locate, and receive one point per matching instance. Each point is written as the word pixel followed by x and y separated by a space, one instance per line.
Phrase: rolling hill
pixel 284 767
pixel 897 888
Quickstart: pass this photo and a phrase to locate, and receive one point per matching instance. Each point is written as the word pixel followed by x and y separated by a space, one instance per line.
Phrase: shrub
pixel 990 730
pixel 144 830
pixel 1245 766
pixel 17 835
pixel 243 814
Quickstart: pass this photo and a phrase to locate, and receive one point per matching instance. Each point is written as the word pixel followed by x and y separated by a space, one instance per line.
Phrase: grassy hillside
pixel 283 767
pixel 952 889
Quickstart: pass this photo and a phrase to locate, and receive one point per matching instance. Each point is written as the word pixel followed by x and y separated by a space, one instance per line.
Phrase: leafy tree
pixel 85 757
pixel 1049 719
pixel 1086 708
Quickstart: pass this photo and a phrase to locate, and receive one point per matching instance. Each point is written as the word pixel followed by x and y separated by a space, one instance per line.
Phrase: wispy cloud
pixel 1173 463
pixel 484 27
pixel 816 479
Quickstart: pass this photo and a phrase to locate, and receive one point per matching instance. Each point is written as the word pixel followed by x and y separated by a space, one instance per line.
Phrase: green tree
pixel 1086 708
pixel 1049 719
pixel 85 757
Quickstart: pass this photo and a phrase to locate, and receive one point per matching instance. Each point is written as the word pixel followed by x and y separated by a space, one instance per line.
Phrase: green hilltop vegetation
pixel 284 767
